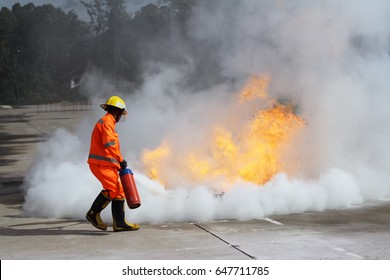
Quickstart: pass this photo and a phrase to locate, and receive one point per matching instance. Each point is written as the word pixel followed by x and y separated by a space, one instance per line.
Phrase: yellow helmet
pixel 115 101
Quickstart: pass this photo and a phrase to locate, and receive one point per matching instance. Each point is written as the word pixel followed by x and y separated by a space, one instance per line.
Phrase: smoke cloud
pixel 330 58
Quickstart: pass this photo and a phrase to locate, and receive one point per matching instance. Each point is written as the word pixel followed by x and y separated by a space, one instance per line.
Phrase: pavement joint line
pixel 346 252
pixel 338 249
pixel 33 126
pixel 273 221
pixel 354 255
pixel 223 240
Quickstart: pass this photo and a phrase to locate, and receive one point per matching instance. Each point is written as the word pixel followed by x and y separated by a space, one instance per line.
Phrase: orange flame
pixel 253 153
pixel 257 87
pixel 154 158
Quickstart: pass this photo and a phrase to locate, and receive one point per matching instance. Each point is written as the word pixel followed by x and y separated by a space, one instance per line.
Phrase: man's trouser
pixel 110 180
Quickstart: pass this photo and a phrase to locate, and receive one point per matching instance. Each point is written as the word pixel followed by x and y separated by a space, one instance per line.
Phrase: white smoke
pixel 330 57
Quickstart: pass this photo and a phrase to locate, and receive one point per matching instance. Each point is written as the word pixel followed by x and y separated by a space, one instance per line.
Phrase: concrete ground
pixel 360 233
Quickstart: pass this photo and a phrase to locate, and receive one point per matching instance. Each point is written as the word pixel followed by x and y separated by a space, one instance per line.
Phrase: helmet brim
pixel 105 108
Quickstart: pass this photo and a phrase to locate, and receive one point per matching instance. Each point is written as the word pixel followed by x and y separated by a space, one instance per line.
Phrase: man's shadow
pixel 49 228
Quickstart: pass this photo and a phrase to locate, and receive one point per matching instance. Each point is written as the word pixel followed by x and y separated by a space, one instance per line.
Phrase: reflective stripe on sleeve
pixel 111 143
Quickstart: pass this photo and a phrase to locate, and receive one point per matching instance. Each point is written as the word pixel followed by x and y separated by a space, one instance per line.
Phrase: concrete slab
pixel 22 128
pixel 353 234
pixel 348 234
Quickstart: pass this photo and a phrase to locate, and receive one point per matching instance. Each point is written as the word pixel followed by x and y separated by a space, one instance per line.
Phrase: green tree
pixel 42 47
pixel 114 48
pixel 38 51
pixel 7 64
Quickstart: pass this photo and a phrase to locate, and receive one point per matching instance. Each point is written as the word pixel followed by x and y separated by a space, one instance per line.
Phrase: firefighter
pixel 105 160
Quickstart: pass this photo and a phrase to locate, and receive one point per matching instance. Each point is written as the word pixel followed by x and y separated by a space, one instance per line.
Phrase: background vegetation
pixel 43 48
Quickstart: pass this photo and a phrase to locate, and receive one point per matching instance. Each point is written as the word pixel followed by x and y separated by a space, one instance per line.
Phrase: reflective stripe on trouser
pixel 109 178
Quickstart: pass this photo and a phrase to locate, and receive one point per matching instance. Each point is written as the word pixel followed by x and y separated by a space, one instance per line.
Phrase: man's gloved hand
pixel 123 164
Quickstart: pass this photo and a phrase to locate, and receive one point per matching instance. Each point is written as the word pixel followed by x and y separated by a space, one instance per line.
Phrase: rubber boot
pixel 118 216
pixel 93 215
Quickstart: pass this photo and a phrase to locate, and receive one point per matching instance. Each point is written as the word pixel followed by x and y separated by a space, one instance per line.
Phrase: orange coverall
pixel 105 156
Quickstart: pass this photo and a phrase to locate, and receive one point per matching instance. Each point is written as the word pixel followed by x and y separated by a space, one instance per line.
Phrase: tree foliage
pixel 38 49
pixel 42 47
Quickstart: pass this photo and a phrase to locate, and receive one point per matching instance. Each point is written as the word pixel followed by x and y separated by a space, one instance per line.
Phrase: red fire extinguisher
pixel 132 197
